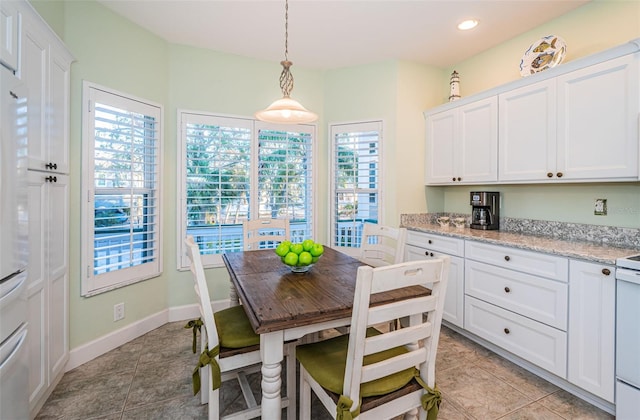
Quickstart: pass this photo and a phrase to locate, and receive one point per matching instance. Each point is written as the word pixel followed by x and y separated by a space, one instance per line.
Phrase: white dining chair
pixel 379 375
pixel 230 350
pixel 382 245
pixel 264 233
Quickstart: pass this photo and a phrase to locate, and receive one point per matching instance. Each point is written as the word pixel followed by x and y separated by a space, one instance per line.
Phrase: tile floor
pixel 150 378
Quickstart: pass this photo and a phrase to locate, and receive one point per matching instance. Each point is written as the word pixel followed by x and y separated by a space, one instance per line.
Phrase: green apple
pixel 317 250
pixel 291 259
pixel 307 244
pixel 304 258
pixel 296 249
pixel 282 250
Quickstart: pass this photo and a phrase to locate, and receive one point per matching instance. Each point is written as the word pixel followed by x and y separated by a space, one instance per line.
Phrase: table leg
pixel 271 353
pixel 234 300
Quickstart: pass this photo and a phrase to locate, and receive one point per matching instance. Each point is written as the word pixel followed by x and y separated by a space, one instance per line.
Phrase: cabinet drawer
pixel 534 297
pixel 445 244
pixel 537 343
pixel 531 262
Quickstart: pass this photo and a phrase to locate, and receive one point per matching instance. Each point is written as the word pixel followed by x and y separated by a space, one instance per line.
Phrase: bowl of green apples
pixel 300 256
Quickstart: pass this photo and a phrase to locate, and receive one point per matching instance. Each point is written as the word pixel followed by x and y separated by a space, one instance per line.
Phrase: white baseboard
pixel 89 351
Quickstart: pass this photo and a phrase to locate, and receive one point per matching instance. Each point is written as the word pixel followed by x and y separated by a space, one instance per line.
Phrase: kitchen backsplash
pixel 576 232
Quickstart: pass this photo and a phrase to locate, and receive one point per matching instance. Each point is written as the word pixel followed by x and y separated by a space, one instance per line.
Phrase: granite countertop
pixel 574 249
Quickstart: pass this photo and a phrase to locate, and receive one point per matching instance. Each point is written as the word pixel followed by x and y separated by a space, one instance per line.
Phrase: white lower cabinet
pixel 534 297
pixel 48 284
pixel 533 341
pixel 592 299
pixel 517 300
pixel 551 311
pixel 425 246
pixel 454 299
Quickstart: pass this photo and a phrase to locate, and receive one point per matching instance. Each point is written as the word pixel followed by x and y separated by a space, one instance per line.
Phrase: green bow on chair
pixel 431 399
pixel 344 409
pixel 196 325
pixel 208 357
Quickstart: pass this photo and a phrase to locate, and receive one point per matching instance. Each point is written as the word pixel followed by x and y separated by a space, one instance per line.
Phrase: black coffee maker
pixel 485 210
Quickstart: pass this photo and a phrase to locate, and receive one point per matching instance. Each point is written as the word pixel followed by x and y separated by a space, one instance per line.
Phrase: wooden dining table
pixel 284 306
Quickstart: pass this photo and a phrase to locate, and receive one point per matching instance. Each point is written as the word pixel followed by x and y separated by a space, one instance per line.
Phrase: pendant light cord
pixel 286 78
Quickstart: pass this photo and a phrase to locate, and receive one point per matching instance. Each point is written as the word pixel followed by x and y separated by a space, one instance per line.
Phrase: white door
pixel 454 299
pixel 598 120
pixel 441 138
pixel 592 311
pixel 527 133
pixel 478 141
pixel 37 297
pixel 57 269
pixel 9 35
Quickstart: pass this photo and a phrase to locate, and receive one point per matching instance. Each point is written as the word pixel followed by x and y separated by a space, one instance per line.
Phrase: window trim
pixel 90 284
pixel 215 260
pixel 349 127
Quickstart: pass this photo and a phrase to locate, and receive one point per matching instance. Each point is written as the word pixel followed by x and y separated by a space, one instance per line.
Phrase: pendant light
pixel 286 110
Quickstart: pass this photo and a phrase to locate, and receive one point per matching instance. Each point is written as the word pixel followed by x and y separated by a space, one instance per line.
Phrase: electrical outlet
pixel 118 311
pixel 600 207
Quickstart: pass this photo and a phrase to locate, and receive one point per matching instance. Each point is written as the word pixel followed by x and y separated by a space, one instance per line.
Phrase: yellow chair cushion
pixel 234 328
pixel 326 362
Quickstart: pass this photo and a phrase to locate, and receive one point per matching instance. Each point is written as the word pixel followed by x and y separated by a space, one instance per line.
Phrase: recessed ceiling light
pixel 465 25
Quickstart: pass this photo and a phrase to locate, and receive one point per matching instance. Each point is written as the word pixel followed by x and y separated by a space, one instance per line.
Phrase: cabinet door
pixel 9 35
pixel 57 258
pixel 598 120
pixel 37 297
pixel 58 122
pixel 478 142
pixel 35 57
pixel 441 137
pixel 527 133
pixel 592 302
pixel 454 299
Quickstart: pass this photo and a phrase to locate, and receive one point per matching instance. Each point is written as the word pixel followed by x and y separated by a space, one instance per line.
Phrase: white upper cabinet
pixel 579 126
pixel 462 144
pixel 9 35
pixel 598 110
pixel 527 132
pixel 578 122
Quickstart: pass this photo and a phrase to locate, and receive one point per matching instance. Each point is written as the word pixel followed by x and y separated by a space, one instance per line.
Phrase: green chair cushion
pixel 234 328
pixel 326 362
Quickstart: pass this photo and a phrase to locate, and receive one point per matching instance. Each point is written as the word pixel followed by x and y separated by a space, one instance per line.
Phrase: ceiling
pixel 328 34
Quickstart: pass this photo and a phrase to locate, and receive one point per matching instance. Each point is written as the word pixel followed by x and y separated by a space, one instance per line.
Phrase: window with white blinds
pixel 237 169
pixel 355 183
pixel 121 190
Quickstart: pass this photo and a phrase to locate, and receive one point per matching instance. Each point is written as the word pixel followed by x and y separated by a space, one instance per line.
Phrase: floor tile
pixel 571 407
pixel 150 378
pixel 479 393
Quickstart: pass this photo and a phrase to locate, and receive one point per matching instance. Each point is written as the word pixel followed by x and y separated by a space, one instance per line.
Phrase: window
pixel 236 169
pixel 355 183
pixel 121 190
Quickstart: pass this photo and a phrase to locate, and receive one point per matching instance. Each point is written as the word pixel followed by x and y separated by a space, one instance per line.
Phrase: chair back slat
pixel 395 310
pixel 420 338
pixel 387 367
pixel 396 338
pixel 387 278
pixel 264 233
pixel 382 245
pixel 202 290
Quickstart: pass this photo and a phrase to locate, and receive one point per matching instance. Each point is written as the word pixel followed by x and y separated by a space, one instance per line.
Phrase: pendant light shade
pixel 286 110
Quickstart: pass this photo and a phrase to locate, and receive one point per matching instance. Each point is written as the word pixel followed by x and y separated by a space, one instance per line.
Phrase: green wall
pixel 115 53
pixel 597 26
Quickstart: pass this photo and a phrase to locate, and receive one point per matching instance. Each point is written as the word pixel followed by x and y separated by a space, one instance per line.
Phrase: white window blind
pixel 237 169
pixel 356 175
pixel 121 212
